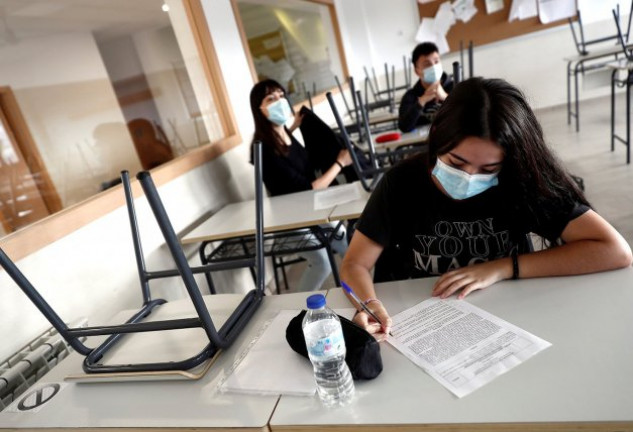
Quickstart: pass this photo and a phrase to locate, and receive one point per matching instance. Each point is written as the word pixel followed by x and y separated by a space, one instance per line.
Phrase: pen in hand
pixel 349 290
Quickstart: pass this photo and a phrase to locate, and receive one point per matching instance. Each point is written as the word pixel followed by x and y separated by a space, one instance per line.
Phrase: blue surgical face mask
pixel 433 73
pixel 279 112
pixel 461 185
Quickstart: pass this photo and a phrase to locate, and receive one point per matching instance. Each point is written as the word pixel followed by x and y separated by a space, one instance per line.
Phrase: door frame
pixel 28 148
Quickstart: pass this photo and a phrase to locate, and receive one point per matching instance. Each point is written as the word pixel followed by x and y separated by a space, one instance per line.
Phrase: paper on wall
pixel 522 9
pixel 444 19
pixel 554 10
pixel 464 9
pixel 493 6
pixel 426 31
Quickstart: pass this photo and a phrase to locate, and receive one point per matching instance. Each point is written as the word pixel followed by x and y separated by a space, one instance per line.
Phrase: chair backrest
pixel 369 177
pixel 457 72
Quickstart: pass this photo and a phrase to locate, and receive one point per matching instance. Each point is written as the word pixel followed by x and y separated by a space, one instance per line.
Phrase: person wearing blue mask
pixel 466 210
pixel 287 169
pixel 419 104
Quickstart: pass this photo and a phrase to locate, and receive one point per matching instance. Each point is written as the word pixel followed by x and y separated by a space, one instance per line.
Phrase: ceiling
pixel 106 19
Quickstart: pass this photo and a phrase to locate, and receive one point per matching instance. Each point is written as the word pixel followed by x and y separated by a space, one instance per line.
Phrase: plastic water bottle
pixel 326 349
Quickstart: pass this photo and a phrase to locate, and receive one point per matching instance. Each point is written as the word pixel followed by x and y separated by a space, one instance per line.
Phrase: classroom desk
pixel 584 381
pixel 375 119
pixel 283 212
pixel 625 66
pixel 160 405
pixel 575 66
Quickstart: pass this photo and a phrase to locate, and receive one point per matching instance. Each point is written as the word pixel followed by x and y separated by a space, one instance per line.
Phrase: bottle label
pixel 329 346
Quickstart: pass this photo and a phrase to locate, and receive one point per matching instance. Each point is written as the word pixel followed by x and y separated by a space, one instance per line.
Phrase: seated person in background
pixel 421 101
pixel 463 211
pixel 286 168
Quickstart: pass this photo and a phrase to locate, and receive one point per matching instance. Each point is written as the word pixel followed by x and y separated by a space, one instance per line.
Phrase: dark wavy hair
pixel 495 110
pixel 264 131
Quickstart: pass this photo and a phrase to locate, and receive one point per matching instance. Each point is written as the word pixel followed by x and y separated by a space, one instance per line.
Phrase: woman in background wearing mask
pixel 286 168
pixel 420 103
pixel 464 210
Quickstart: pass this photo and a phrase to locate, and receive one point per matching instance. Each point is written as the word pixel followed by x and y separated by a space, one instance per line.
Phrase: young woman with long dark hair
pixel 287 169
pixel 464 211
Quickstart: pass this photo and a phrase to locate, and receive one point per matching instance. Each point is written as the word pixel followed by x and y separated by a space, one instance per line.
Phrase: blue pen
pixel 348 290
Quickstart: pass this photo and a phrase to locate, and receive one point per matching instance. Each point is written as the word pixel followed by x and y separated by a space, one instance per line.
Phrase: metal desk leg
pixel 628 117
pixel 613 74
pixel 577 113
pixel 569 92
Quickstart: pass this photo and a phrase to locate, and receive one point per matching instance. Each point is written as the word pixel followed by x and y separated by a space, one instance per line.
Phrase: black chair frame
pixel 276 245
pixel 218 339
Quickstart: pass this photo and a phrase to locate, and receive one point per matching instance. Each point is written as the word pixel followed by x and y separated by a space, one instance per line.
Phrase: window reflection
pixel 292 42
pixel 102 85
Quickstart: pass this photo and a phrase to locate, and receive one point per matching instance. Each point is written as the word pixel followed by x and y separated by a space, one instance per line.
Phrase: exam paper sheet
pixel 333 196
pixel 461 346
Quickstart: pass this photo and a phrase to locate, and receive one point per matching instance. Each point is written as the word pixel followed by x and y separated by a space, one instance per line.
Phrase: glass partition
pixel 90 88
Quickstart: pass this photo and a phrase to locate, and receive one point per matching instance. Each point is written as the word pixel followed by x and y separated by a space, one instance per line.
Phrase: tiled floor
pixel 608 179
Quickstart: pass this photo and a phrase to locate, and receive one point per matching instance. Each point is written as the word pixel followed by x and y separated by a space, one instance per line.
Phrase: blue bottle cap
pixel 316 301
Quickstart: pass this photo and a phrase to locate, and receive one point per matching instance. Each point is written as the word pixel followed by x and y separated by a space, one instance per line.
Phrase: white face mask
pixel 433 73
pixel 461 185
pixel 279 112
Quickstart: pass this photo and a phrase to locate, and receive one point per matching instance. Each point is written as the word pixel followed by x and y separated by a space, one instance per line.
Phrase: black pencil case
pixel 362 349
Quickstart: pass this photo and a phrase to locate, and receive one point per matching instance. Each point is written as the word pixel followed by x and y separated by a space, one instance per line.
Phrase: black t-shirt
pixel 411 114
pixel 426 233
pixel 284 174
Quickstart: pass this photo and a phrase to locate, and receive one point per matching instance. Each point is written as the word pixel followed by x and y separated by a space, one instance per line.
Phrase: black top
pixel 284 174
pixel 411 114
pixel 425 233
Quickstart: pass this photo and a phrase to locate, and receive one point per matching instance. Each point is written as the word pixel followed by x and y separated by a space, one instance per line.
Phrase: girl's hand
pixel 373 327
pixel 297 121
pixel 472 278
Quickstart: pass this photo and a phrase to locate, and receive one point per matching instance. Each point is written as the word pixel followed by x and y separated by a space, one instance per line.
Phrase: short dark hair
pixel 423 49
pixel 493 109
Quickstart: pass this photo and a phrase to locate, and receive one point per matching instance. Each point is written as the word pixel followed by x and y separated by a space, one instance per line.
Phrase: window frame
pixel 28 240
pixel 337 35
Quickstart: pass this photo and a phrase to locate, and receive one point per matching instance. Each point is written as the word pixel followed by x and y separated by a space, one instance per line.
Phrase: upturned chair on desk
pixel 587 61
pixel 217 339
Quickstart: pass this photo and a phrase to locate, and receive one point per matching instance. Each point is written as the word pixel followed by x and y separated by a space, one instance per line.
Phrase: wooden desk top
pixel 584 381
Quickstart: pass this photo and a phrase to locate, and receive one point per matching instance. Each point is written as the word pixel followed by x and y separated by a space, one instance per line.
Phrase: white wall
pixel 63 90
pixel 375 31
pixel 238 80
